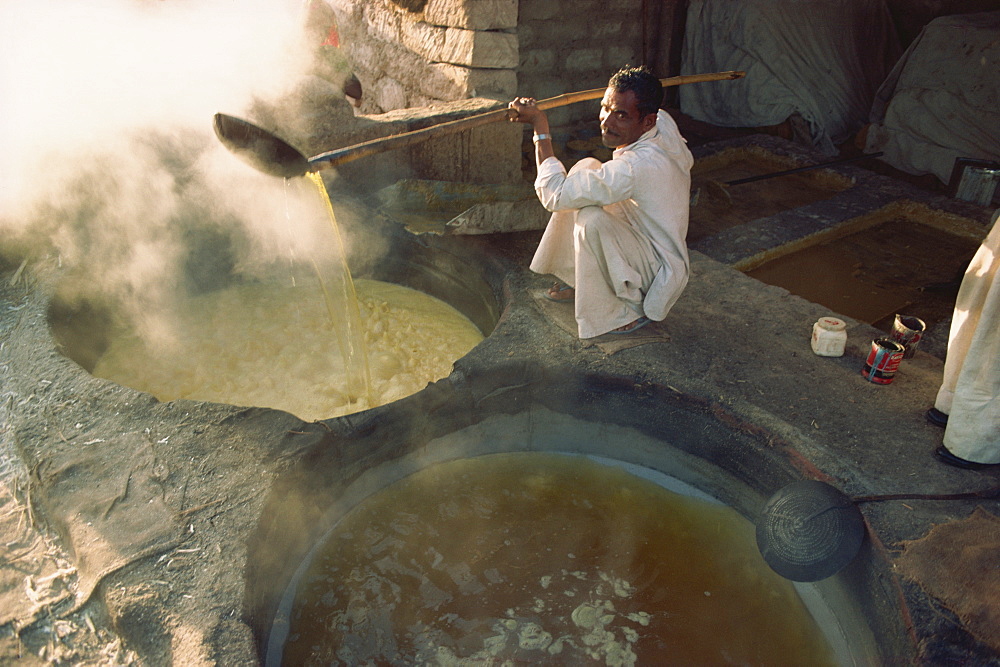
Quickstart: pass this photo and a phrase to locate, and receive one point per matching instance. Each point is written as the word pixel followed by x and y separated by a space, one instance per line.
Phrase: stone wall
pixel 568 45
pixel 421 62
pixel 425 55
pixel 415 53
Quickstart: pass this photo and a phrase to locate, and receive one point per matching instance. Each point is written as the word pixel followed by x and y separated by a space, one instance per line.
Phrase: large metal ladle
pixel 809 530
pixel 273 155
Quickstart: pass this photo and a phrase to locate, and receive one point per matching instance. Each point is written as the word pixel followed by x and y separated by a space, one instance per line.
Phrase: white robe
pixel 618 229
pixel 970 390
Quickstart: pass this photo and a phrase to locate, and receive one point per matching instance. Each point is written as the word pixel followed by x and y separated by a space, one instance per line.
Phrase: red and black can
pixel 883 361
pixel 907 331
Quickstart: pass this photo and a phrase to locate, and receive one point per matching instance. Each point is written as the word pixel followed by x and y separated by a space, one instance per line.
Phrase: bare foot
pixel 560 292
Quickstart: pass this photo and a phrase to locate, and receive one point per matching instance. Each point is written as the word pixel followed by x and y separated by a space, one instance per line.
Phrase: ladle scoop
pixel 259 148
pixel 808 530
pixel 273 155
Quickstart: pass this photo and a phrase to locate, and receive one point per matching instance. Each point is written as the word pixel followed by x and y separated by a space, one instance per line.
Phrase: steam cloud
pixel 108 159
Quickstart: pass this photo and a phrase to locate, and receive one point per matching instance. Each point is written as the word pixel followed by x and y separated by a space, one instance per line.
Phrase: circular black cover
pixel 809 531
pixel 259 148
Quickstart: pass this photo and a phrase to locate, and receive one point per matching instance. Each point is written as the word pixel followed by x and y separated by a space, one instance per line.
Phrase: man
pixel 968 401
pixel 616 237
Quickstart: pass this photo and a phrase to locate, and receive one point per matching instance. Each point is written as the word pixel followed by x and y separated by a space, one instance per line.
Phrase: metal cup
pixel 907 331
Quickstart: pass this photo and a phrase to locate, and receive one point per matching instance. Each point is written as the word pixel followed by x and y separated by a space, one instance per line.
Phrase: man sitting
pixel 616 237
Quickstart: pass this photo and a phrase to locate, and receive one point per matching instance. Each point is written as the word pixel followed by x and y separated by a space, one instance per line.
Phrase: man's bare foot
pixel 560 292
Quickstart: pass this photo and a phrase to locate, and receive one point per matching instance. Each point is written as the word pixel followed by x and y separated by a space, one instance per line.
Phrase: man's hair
pixel 647 88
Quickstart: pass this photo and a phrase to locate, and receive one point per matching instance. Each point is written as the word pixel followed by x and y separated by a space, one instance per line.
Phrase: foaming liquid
pixel 544 559
pixel 274 346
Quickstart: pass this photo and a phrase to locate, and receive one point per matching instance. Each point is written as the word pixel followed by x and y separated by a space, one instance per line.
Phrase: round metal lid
pixel 809 531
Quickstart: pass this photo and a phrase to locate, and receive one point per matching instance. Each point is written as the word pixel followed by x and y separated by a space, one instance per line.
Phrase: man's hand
pixel 525 110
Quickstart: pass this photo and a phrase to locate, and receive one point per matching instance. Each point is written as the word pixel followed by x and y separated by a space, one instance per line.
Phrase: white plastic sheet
pixel 819 60
pixel 942 99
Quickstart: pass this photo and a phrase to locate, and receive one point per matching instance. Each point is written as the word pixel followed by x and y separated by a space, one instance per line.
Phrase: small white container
pixel 829 337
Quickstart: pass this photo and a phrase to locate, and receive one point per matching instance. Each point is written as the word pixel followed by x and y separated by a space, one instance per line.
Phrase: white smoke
pixel 79 76
pixel 107 154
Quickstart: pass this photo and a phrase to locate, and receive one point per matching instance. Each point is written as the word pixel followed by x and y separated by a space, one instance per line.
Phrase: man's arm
pixel 526 111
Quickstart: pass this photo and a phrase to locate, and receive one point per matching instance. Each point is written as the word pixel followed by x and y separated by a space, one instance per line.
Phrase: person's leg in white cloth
pixel 604 258
pixel 970 390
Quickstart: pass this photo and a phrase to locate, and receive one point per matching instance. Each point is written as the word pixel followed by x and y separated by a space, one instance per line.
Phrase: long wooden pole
pixel 396 141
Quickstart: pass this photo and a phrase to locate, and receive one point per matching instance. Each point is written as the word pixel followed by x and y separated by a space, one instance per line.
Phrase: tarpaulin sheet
pixel 818 60
pixel 942 99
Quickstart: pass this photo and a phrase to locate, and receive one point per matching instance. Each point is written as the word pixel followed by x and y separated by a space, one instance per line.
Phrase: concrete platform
pixel 733 385
pixel 741 350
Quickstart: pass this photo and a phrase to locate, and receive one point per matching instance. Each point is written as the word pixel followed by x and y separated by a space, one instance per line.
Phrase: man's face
pixel 621 123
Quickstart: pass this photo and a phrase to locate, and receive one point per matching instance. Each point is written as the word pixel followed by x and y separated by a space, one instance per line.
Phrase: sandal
pixel 560 293
pixel 632 326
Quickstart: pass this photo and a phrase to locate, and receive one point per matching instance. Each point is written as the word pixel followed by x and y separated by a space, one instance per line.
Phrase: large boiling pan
pixel 274 156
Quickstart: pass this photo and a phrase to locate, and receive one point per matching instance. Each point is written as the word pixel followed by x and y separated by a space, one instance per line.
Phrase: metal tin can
pixel 907 331
pixel 883 361
pixel 974 180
